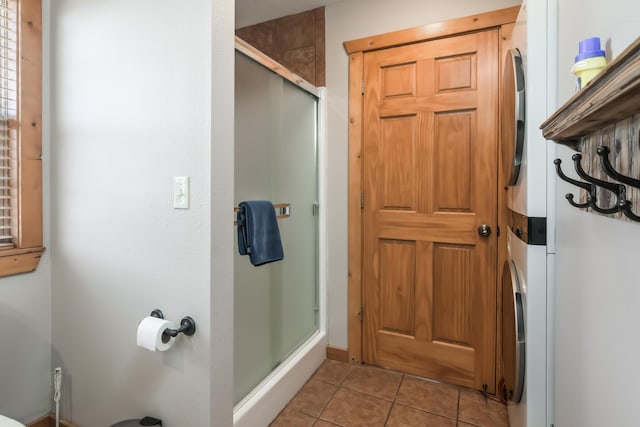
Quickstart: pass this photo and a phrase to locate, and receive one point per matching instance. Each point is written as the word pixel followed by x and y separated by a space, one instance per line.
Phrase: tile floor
pixel 340 394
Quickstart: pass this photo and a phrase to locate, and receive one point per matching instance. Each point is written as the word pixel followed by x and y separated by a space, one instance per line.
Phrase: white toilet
pixel 8 422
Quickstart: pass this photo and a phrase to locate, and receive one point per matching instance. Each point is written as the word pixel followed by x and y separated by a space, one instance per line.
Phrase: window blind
pixel 8 119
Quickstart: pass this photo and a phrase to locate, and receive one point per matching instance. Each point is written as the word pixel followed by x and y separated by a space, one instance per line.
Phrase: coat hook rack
pixel 588 187
pixel 616 189
pixel 622 204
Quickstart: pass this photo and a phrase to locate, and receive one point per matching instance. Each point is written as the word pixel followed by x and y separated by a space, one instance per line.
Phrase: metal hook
pixel 589 187
pixel 570 197
pixel 592 204
pixel 618 189
pixel 613 187
pixel 580 184
pixel 603 151
pixel 625 207
pixel 564 177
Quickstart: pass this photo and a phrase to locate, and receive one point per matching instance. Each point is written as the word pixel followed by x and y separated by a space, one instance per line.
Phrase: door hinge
pixel 362 200
pixel 361 313
pixel 362 86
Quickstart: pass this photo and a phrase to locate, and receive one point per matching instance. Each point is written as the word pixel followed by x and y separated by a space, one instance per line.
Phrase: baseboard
pixel 49 421
pixel 338 354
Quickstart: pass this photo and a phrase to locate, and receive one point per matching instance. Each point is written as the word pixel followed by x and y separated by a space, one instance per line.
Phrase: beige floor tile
pixel 290 418
pixel 332 372
pixel 352 409
pixel 438 398
pixel 404 416
pixel 312 398
pixel 323 423
pixel 478 410
pixel 374 381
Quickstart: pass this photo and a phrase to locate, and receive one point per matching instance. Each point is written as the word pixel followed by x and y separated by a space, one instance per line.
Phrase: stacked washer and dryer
pixel 527 277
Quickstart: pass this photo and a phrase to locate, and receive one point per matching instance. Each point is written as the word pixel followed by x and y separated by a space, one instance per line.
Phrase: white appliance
pixel 528 274
pixel 8 422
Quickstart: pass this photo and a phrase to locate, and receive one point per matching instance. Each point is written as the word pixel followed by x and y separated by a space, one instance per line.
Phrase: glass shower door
pixel 275 305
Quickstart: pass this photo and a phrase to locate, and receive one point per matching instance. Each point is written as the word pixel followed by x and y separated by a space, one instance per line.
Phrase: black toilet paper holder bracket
pixel 187 324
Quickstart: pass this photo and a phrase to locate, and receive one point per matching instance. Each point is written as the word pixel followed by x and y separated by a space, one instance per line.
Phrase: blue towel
pixel 258 232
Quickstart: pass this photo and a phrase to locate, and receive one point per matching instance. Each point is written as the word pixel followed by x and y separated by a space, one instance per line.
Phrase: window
pixel 20 135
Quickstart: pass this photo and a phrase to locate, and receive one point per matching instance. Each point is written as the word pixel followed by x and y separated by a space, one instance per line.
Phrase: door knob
pixel 484 230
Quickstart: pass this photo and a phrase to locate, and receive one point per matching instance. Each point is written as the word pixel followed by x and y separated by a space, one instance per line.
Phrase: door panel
pixel 452 294
pixel 397 286
pixel 397 147
pixel 429 180
pixel 452 145
pixel 455 73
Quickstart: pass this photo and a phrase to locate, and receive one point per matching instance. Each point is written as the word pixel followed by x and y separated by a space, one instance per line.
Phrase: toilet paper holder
pixel 187 325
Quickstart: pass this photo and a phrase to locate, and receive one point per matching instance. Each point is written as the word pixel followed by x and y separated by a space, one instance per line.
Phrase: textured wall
pixel 597 292
pixel 131 108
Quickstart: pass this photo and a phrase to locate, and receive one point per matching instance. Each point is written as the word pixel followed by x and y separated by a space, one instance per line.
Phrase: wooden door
pixel 430 180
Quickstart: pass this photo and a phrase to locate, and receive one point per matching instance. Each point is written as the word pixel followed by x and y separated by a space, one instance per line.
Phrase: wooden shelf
pixel 611 96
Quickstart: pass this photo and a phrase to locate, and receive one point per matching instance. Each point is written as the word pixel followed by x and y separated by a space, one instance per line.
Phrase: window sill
pixel 17 261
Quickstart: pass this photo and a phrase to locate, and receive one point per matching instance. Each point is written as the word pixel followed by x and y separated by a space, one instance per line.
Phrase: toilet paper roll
pixel 150 334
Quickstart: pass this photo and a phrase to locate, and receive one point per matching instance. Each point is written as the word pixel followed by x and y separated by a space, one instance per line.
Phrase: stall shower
pixel 276 305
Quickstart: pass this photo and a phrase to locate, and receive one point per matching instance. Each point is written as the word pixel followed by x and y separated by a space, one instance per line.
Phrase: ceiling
pixel 249 12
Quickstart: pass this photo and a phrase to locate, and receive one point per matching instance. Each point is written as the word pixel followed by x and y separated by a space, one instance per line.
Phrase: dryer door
pixel 512 120
pixel 513 333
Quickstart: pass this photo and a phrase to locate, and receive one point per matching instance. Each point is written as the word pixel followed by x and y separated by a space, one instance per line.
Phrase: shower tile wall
pixel 296 41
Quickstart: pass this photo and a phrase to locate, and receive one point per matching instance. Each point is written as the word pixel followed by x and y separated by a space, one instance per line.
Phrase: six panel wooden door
pixel 429 181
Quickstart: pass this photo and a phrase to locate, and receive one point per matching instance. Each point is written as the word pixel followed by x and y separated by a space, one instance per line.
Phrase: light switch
pixel 181 192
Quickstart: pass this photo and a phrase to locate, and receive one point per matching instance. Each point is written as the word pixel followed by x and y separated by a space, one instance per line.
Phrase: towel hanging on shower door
pixel 258 232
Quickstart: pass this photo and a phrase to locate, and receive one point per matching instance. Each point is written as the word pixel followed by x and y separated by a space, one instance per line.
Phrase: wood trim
pixel 465 24
pixel 356 50
pixel 356 73
pixel 40 422
pixel 339 354
pixel 49 421
pixel 268 62
pixel 30 117
pixel 28 222
pixel 16 261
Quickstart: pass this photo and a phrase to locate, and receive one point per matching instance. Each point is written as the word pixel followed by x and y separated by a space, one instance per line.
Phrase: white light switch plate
pixel 181 192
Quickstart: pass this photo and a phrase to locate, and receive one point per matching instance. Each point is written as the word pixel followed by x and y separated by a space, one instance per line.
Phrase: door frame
pixel 503 20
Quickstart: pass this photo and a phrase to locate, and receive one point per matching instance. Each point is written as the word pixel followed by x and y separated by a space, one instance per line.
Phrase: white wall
pixel 347 21
pixel 25 309
pixel 222 230
pixel 597 288
pixel 25 333
pixel 132 107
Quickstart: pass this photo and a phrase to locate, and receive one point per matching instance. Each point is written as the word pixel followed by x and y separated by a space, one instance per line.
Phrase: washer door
pixel 513 333
pixel 513 116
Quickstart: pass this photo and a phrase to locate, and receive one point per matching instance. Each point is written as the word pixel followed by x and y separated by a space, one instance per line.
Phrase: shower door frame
pixel 266 400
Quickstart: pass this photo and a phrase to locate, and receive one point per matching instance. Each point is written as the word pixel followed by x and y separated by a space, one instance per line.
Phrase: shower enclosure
pixel 276 306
